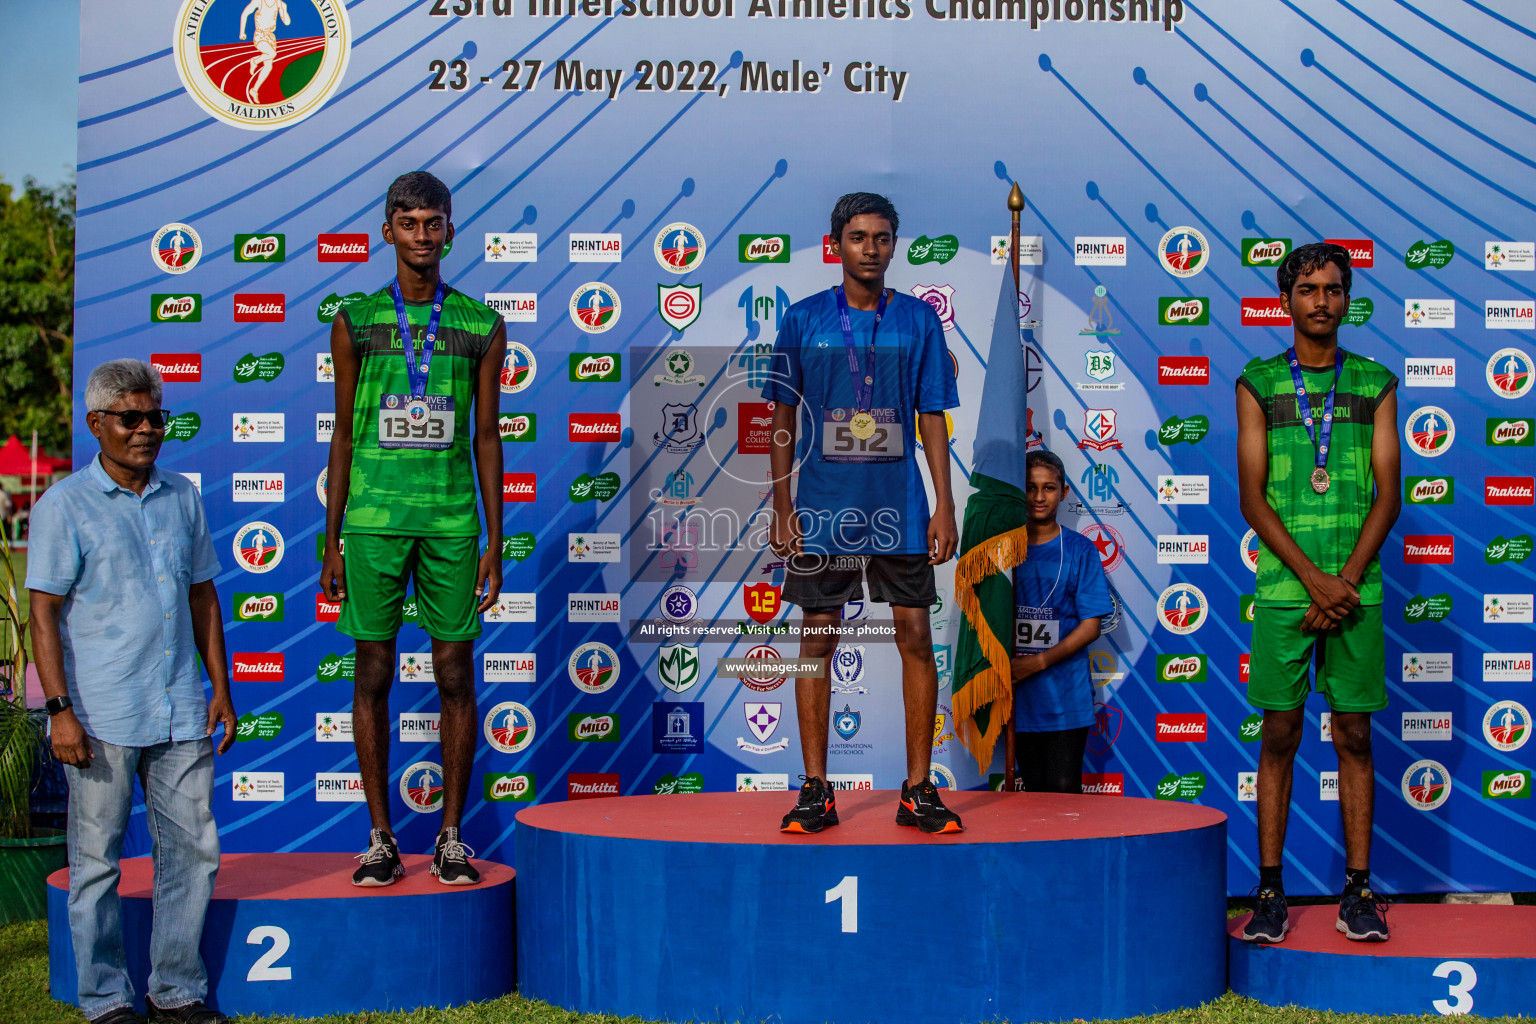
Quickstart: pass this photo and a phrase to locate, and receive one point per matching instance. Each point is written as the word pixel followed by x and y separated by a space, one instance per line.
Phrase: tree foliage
pixel 37 312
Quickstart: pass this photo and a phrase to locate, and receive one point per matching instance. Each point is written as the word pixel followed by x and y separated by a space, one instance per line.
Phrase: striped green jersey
pixel 415 492
pixel 1325 526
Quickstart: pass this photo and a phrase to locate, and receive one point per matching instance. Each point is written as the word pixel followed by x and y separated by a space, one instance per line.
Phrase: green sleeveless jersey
pixel 418 492
pixel 1325 526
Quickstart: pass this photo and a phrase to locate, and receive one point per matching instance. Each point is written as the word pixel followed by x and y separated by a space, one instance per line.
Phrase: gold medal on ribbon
pixel 862 426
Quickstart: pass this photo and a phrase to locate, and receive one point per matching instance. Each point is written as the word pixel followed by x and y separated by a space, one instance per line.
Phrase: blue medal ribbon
pixel 1305 407
pixel 863 382
pixel 418 373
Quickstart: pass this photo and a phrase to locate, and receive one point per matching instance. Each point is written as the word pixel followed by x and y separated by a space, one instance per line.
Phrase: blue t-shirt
pixel 1059 585
pixel 861 507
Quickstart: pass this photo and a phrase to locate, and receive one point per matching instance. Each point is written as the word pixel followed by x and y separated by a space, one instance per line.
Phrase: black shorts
pixel 824 583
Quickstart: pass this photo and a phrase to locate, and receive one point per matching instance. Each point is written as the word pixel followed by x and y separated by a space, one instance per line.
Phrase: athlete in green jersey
pixel 1317 474
pixel 410 419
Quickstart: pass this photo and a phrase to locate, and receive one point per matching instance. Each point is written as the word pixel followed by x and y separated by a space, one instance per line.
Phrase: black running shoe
pixel 381 861
pixel 450 861
pixel 1362 916
pixel 192 1013
pixel 815 810
pixel 1270 920
pixel 921 806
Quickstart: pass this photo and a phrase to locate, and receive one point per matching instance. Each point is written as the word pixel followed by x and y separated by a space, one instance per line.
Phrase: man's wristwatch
pixel 57 704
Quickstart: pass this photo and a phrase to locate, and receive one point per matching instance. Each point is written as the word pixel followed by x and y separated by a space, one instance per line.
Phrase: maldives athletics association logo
pixel 1183 251
pixel 421 787
pixel 679 247
pixel 262 64
pixel 1509 373
pixel 1181 608
pixel 1430 431
pixel 176 248
pixel 1426 785
pixel 258 547
pixel 594 307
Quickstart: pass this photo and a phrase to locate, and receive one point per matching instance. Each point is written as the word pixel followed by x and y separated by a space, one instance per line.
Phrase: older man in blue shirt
pixel 120 567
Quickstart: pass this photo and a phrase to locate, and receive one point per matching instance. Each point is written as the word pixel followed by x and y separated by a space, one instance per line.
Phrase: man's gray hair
pixel 111 382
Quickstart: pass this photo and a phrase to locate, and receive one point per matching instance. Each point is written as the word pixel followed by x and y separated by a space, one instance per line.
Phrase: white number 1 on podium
pixel 848 891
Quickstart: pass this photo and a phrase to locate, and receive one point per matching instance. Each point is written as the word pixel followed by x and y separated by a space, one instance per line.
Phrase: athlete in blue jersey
pixel 1060 594
pixel 858 364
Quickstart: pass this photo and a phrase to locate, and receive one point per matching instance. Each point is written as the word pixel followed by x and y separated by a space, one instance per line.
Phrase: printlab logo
pixel 515 307
pixel 1509 314
pixel 596 248
pixel 261 65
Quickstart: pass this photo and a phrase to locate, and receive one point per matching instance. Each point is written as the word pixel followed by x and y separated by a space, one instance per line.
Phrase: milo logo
pixel 1186 430
pixel 1359 312
pixel 1511 785
pixel 592 728
pixel 334 303
pixel 1514 433
pixel 519 426
pixel 517 547
pixel 183 426
pixel 260 249
pixel 1251 728
pixel 692 782
pixel 258 607
pixel 1433 255
pixel 933 250
pixel 603 368
pixel 1174 786
pixel 1173 668
pixel 176 308
pixel 1508 549
pixel 258 727
pixel 251 367
pixel 336 667
pixel 1179 310
pixel 763 248
pixel 509 786
pixel 1427 609
pixel 1429 490
pixel 1265 252
pixel 1245 609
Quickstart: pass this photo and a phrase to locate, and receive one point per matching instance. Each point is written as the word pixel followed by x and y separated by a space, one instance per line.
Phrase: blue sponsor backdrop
pixel 1367 120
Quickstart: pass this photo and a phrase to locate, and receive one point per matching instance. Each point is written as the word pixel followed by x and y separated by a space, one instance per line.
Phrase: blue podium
pixel 695 907
pixel 1446 959
pixel 288 933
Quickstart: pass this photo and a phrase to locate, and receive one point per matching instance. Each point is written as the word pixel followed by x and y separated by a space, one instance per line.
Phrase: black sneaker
pixel 450 861
pixel 381 862
pixel 1270 920
pixel 121 1015
pixel 192 1013
pixel 921 806
pixel 815 810
pixel 1362 916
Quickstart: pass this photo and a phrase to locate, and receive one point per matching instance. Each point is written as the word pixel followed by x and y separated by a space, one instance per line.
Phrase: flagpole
pixel 1015 207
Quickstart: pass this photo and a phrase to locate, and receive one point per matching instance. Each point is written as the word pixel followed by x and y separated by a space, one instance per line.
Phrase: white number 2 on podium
pixel 848 891
pixel 262 969
pixel 1466 981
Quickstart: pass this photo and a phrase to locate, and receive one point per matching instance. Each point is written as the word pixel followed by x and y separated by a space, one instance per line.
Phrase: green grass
pixel 24 1000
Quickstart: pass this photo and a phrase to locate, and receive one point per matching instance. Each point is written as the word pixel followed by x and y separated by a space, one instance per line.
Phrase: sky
pixel 39 79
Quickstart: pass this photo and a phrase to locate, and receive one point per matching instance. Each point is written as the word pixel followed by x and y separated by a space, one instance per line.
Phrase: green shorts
pixel 1351 661
pixel 378 566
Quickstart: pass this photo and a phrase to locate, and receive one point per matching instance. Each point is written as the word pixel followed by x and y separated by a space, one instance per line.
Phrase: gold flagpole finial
pixel 1016 198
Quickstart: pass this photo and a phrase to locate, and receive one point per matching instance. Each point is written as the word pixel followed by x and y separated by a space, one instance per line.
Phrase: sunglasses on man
pixel 131 418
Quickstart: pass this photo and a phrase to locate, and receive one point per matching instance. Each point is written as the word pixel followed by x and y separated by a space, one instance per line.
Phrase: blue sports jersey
pixel 861 507
pixel 1059 585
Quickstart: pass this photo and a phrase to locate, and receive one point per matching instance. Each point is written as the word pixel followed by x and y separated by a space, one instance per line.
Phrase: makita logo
pixel 1111 784
pixel 519 487
pixel 176 307
pixel 1182 668
pixel 763 249
pixel 1429 490
pixel 595 426
pixel 181 367
pixel 1362 251
pixel 259 247
pixel 327 611
pixel 1507 490
pixel 586 785
pixel 1264 313
pixel 594 366
pixel 1183 370
pixel 261 308
pixel 342 248
pixel 258 668
pixel 1424 549
pixel 1180 728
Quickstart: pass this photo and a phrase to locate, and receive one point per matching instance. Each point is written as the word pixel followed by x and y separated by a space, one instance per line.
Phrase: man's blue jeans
pixel 177 779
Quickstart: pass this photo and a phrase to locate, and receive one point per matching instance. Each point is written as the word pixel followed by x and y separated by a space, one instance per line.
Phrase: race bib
pixel 839 443
pixel 1031 632
pixel 422 423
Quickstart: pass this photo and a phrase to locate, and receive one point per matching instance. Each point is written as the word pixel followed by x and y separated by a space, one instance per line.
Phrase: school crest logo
pixel 1430 431
pixel 761 601
pixel 518 369
pixel 1182 608
pixel 942 298
pixel 1183 251
pixel 176 248
pixel 258 547
pixel 509 727
pixel 594 668
pixel 679 304
pixel 679 433
pixel 677 666
pixel 594 307
pixel 846 722
pixel 1099 427
pixel 262 64
pixel 421 787
pixel 1106 540
pixel 1509 373
pixel 679 248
